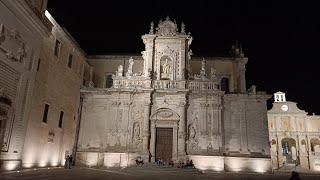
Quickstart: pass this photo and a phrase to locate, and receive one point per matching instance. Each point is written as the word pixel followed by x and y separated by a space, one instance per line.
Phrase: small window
pixel 61 119
pixel 45 113
pixel 70 60
pixel 109 81
pixel 224 84
pixel 38 66
pixel 57 48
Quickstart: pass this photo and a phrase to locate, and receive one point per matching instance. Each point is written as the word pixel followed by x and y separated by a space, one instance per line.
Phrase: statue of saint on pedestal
pixel 166 69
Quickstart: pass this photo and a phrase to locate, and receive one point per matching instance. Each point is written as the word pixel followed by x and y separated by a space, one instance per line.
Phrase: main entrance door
pixel 164 141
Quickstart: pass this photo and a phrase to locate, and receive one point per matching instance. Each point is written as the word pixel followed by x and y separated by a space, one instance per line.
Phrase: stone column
pixel 175 143
pixel 182 132
pixel 146 131
pixel 152 142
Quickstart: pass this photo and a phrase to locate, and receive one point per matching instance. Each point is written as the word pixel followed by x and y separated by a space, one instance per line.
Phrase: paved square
pixel 140 173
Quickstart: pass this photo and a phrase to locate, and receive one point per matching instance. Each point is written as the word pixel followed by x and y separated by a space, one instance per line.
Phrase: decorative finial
pixel 183 31
pixel 241 51
pixel 151 28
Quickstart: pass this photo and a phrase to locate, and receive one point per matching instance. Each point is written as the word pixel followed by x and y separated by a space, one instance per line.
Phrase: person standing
pixel 70 161
pixel 66 162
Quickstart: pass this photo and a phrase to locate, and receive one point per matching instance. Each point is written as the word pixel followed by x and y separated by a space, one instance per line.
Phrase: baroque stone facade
pixel 294 135
pixel 167 104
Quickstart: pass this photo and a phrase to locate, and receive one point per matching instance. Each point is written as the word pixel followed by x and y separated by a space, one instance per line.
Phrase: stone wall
pixel 21 33
pixel 245 124
pixel 58 85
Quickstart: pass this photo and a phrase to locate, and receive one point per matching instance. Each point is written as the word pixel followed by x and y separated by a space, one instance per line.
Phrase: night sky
pixel 282 40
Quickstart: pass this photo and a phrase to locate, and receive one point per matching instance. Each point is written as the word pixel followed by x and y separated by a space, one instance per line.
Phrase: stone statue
pixel 166 69
pixel 192 132
pixel 130 72
pixel 183 31
pixel 213 74
pixel 151 28
pixel 136 131
pixel 203 70
pixel 120 70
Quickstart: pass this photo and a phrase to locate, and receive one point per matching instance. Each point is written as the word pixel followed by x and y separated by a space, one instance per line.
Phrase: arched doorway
pixel 289 150
pixel 164 135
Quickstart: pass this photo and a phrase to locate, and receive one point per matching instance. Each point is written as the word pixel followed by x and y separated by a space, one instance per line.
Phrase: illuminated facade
pixel 294 136
pixel 38 114
pixel 167 104
pixel 164 103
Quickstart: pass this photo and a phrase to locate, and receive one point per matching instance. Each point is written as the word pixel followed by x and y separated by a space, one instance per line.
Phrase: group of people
pixel 188 164
pixel 68 162
pixel 180 164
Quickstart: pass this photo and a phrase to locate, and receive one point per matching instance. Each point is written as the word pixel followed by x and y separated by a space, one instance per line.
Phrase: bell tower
pixel 166 54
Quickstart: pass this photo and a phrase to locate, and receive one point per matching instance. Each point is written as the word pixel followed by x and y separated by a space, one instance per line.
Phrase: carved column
pixel 152 141
pixel 146 131
pixel 182 131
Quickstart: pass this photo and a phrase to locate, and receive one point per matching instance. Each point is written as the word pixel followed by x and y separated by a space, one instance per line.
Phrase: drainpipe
pixel 75 145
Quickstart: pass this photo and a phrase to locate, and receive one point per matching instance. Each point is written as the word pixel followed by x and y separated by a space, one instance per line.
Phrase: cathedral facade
pixel 167 104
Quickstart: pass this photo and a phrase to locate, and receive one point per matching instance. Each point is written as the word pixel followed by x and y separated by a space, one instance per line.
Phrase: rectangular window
pixel 61 119
pixel 38 66
pixel 109 81
pixel 57 48
pixel 70 60
pixel 45 113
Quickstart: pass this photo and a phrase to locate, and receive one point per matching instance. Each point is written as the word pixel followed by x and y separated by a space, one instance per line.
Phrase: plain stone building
pixel 294 135
pixel 41 72
pixel 167 104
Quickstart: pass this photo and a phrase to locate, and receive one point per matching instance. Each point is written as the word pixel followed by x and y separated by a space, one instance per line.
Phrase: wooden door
pixel 164 141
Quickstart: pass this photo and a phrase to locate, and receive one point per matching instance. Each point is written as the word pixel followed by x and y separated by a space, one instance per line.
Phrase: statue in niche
pixel 166 69
pixel 120 70
pixel 192 132
pixel 136 131
pixel 136 135
pixel 213 74
pixel 209 147
pixel 193 141
pixel 130 72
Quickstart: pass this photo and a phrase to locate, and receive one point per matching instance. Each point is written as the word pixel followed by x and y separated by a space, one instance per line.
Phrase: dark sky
pixel 281 39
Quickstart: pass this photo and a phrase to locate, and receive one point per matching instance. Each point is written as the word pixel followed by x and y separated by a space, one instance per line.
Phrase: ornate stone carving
pixel 167 28
pixel 165 114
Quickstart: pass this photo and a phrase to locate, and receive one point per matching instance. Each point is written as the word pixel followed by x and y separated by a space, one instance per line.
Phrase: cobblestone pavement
pixel 139 173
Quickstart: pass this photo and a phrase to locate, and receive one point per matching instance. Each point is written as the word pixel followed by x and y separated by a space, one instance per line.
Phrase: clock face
pixel 284 108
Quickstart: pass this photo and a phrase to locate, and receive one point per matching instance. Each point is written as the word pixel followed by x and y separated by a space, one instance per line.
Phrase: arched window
pixel 224 84
pixel 109 81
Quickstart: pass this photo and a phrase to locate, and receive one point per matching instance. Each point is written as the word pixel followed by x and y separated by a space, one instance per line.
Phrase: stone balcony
pixel 168 84
pixel 195 85
pixel 140 83
pixel 124 83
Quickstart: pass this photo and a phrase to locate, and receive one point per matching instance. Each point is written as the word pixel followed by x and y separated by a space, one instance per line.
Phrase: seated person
pixel 139 161
pixel 171 163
